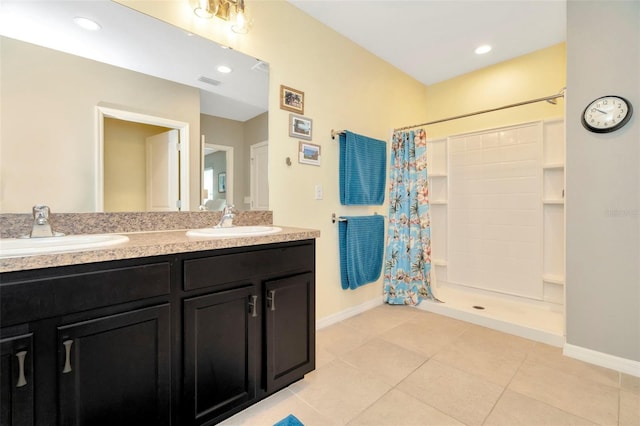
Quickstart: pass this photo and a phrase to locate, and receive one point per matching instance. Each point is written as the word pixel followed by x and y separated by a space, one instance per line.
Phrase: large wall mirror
pixel 135 116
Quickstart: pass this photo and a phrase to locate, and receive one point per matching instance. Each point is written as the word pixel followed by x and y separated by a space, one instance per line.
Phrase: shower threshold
pixel 507 314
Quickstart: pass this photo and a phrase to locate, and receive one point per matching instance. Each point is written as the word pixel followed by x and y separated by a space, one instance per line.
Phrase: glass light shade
pixel 241 26
pixel 204 9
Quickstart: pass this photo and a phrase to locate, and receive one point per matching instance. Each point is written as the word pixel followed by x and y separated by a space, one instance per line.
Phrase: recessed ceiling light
pixel 224 69
pixel 481 50
pixel 86 23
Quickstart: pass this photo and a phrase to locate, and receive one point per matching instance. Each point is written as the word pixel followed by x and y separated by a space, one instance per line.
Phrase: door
pixel 290 323
pixel 259 176
pixel 16 381
pixel 116 370
pixel 220 353
pixel 217 159
pixel 163 177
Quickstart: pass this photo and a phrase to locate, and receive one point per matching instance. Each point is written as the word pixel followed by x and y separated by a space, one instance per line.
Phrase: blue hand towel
pixel 363 165
pixel 361 241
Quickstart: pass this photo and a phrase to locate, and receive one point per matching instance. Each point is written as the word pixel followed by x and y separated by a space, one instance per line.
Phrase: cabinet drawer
pixel 235 267
pixel 30 300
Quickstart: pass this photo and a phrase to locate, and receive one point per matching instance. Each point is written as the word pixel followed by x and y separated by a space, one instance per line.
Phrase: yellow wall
pixel 535 75
pixel 125 178
pixel 345 87
pixel 348 88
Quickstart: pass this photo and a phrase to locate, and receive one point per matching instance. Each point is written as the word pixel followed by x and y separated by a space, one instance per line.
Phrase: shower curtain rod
pixel 550 99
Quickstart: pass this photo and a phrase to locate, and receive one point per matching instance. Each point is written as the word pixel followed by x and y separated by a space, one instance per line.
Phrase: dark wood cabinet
pixel 16 380
pixel 115 370
pixel 289 323
pixel 99 339
pixel 185 339
pixel 220 341
pixel 251 331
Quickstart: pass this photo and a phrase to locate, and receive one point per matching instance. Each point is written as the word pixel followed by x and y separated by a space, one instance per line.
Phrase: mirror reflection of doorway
pixel 217 176
pixel 140 167
pixel 259 178
pixel 123 158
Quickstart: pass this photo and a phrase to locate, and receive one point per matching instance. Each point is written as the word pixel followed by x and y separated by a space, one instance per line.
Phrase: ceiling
pixel 434 40
pixel 431 40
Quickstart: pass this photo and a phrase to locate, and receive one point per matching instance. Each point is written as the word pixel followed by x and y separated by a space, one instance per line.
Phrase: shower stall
pixel 497 228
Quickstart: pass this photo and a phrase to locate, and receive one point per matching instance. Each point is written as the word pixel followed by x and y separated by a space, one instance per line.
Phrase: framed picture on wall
pixel 222 182
pixel 300 127
pixel 291 99
pixel 308 153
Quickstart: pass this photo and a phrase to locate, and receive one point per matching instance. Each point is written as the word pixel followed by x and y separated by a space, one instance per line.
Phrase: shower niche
pixel 553 212
pixel 438 200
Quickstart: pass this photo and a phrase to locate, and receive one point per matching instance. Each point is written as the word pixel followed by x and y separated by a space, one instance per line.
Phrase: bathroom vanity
pixel 185 338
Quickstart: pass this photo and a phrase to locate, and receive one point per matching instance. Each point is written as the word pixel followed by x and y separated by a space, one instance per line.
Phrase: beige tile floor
pixel 396 365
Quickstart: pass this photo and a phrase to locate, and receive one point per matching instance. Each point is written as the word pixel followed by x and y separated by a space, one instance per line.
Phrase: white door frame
pixel 252 172
pixel 181 126
pixel 229 159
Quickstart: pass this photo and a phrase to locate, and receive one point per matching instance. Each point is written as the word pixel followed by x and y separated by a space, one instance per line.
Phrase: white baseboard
pixel 602 359
pixel 348 313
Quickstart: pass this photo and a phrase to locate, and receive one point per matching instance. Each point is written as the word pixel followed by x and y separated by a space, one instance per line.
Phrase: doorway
pixel 259 176
pixel 217 175
pixel 182 128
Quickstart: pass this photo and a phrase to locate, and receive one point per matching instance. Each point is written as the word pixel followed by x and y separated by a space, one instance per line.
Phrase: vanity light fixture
pixel 86 23
pixel 481 50
pixel 228 10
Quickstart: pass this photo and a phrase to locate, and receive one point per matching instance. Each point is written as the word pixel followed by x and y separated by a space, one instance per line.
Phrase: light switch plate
pixel 318 192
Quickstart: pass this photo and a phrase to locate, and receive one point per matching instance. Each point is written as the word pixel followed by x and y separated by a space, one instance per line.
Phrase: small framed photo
pixel 300 127
pixel 308 153
pixel 291 99
pixel 222 182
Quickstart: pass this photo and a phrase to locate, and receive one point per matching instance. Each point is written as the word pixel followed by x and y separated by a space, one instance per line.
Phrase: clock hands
pixel 601 111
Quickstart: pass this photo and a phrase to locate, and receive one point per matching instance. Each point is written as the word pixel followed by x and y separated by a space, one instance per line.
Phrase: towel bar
pixel 335 133
pixel 335 218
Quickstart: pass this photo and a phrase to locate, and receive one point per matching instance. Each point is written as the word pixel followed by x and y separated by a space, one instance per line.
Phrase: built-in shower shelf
pixel 438 202
pixel 549 201
pixel 553 279
pixel 439 262
pixel 553 166
pixel 437 175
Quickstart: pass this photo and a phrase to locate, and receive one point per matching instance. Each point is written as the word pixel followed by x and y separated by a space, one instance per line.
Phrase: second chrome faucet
pixel 226 221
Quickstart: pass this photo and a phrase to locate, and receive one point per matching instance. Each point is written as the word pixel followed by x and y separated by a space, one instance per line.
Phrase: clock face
pixel 606 114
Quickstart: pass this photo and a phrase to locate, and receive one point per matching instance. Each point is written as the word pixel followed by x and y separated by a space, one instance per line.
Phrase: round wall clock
pixel 607 114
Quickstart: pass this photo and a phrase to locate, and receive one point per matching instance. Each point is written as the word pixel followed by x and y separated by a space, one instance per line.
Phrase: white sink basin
pixel 233 231
pixel 12 247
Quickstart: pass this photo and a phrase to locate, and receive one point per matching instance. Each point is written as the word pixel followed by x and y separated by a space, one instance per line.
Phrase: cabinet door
pixel 116 370
pixel 290 329
pixel 16 380
pixel 220 356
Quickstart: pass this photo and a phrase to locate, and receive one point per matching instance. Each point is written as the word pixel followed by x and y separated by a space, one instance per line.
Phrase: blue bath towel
pixel 361 241
pixel 290 420
pixel 363 166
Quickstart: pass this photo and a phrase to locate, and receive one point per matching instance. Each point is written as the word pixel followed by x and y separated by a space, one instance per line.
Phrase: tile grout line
pixel 505 388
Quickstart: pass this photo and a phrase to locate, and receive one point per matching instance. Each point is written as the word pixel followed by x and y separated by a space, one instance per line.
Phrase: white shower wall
pixel 497 211
pixel 494 210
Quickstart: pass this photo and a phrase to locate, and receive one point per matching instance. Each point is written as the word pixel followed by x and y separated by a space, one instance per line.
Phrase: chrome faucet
pixel 41 225
pixel 226 221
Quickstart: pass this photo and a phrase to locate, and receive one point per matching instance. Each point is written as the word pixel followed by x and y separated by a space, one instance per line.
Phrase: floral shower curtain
pixel 407 267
